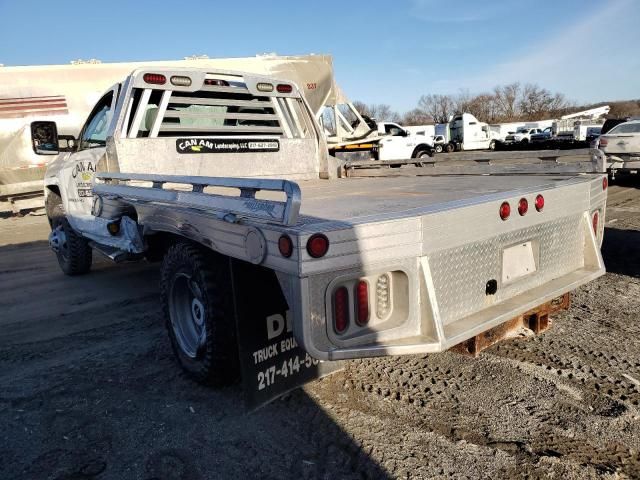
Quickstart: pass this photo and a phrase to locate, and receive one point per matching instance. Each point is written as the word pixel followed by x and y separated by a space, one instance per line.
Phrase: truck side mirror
pixel 44 138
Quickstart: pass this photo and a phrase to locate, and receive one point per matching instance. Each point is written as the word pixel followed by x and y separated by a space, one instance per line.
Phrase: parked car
pixel 543 136
pixel 522 135
pixel 621 145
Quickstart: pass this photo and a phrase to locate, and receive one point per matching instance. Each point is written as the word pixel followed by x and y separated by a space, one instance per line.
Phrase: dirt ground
pixel 89 388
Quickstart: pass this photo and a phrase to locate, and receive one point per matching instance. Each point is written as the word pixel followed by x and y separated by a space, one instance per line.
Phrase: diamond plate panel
pixel 460 274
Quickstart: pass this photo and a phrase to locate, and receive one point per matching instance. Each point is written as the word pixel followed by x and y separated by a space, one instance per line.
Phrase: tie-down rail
pixel 228 207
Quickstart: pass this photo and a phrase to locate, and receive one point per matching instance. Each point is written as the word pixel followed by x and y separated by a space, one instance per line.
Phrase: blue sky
pixel 384 52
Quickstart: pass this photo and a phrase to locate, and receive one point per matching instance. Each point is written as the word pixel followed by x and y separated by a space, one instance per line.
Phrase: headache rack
pixel 222 106
pixel 230 208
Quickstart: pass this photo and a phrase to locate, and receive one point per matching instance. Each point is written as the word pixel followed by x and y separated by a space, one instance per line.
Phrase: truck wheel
pixel 492 145
pixel 195 292
pixel 422 154
pixel 72 250
pixel 438 148
pixel 449 148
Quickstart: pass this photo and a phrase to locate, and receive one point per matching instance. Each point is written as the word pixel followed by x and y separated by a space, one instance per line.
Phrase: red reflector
pixel 523 206
pixel 605 183
pixel 362 303
pixel 216 83
pixel 341 309
pixel 317 245
pixel 285 245
pixel 594 221
pixel 603 142
pixel 284 88
pixel 505 210
pixel 154 78
pixel 539 203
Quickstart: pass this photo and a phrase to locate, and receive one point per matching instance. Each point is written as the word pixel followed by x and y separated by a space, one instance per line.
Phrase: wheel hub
pixel 57 239
pixel 188 314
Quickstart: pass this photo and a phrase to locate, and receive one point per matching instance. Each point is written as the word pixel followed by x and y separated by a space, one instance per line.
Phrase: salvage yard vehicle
pixel 274 258
pixel 621 145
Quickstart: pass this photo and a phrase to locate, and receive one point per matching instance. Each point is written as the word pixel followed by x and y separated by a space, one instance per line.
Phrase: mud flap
pixel 271 361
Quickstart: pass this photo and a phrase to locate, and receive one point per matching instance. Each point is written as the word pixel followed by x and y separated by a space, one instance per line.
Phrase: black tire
pixel 492 145
pixel 213 358
pixel 449 148
pixel 438 148
pixel 422 153
pixel 74 255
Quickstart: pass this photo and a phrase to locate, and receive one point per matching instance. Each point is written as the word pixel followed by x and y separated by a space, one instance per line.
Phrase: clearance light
pixel 264 87
pixel 154 78
pixel 539 203
pixel 285 245
pixel 383 286
pixel 523 206
pixel 113 228
pixel 284 88
pixel 605 183
pixel 341 309
pixel 317 245
pixel 362 303
pixel 505 210
pixel 180 81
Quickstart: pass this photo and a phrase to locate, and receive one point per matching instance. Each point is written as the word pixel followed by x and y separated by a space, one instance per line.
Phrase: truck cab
pixel 399 143
pixel 468 133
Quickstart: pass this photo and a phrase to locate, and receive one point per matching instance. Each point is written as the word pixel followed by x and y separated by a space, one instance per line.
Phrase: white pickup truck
pixel 399 143
pixel 272 262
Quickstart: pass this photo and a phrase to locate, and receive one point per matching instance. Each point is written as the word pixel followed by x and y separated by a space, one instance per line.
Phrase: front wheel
pixel 72 250
pixel 438 148
pixel 492 145
pixel 195 296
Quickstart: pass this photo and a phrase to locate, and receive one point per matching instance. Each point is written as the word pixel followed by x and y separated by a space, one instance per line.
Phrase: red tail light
pixel 605 183
pixel 285 245
pixel 594 222
pixel 284 88
pixel 539 203
pixel 341 309
pixel 603 142
pixel 523 206
pixel 317 245
pixel 505 210
pixel 154 78
pixel 362 303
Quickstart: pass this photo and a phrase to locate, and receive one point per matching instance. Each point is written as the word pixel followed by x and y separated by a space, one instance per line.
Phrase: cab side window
pixel 94 133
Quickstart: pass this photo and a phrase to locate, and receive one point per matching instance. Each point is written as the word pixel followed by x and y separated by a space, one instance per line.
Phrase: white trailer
pixel 272 262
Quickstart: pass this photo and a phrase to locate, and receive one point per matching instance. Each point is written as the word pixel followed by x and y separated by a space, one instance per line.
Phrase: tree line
pixel 514 102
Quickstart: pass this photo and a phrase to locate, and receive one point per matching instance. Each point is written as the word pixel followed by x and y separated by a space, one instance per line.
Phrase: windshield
pixel 625 128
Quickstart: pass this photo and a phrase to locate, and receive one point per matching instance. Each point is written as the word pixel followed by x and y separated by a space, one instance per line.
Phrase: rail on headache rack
pixel 484 163
pixel 227 207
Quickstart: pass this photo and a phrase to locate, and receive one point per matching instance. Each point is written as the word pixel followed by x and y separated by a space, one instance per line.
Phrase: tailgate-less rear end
pixel 444 273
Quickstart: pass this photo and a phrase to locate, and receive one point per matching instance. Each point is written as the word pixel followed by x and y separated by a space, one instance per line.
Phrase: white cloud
pixel 593 59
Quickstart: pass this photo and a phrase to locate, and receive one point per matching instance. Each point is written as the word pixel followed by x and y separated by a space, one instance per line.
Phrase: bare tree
pixel 506 99
pixel 417 116
pixel 380 112
pixel 439 107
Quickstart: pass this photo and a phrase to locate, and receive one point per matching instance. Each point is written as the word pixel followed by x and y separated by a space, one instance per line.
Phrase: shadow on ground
pixel 89 389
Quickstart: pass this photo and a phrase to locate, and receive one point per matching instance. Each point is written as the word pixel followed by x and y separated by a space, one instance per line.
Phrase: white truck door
pixel 398 144
pixel 79 168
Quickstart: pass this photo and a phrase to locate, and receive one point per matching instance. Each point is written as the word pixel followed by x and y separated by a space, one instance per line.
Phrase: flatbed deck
pixel 361 200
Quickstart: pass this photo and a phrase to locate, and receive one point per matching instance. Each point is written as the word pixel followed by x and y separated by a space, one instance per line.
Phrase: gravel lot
pixel 89 388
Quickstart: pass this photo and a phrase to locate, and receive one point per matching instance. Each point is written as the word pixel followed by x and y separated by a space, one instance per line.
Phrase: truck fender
pixel 422 146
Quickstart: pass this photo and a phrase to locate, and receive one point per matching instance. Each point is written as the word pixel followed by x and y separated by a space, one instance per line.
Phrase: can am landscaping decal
pixel 227 145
